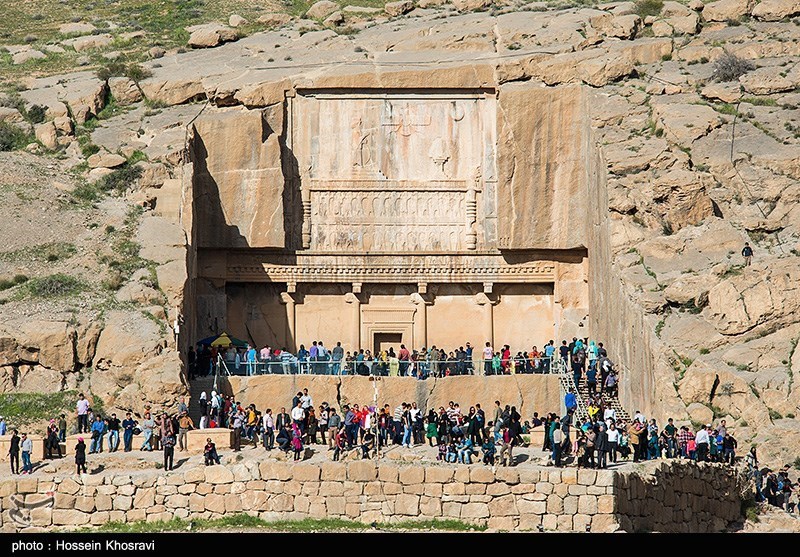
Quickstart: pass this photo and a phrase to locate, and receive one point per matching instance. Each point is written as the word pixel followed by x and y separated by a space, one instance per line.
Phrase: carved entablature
pixel 386 171
pixel 539 271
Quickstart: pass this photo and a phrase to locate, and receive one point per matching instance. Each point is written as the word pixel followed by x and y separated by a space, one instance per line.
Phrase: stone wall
pixel 667 497
pixel 529 393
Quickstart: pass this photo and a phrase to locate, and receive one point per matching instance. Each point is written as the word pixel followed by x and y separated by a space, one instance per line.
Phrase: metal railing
pixel 375 367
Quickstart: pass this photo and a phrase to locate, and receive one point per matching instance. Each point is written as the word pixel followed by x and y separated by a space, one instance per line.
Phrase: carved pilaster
pixel 472 213
pixel 488 301
pixel 288 299
pixel 306 233
pixel 355 331
pixel 422 301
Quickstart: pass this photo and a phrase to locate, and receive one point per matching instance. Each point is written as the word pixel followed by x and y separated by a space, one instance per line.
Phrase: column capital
pixel 287 298
pixel 487 287
pixel 357 287
pixel 482 298
pixel 291 287
pixel 421 299
pixel 352 298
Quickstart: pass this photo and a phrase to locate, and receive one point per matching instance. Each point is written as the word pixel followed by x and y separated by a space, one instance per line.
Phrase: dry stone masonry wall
pixel 670 497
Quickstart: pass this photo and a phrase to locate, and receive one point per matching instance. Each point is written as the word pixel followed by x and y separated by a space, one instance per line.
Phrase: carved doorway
pixel 384 341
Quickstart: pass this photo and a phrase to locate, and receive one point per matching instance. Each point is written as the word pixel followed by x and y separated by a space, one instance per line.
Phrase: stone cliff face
pixel 612 136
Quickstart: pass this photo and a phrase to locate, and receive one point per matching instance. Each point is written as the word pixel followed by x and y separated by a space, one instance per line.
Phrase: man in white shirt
pixel 488 352
pixel 298 415
pixel 83 414
pixel 268 437
pixel 609 414
pixel 305 400
pixel 701 439
pixel 613 441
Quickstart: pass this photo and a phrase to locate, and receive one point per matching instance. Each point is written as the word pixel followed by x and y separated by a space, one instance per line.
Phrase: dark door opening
pixel 384 341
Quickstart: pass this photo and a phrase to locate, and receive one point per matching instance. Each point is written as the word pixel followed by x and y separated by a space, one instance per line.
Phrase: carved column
pixel 422 299
pixel 488 300
pixel 288 299
pixel 354 299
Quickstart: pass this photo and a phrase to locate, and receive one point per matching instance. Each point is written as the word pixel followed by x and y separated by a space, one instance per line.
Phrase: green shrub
pixel 12 138
pixel 115 68
pixel 704 350
pixel 644 8
pixel 54 286
pixel 16 281
pixel 120 179
pixel 36 114
pixel 775 415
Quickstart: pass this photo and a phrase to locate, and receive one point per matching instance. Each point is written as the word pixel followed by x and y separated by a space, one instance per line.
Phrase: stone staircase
pixel 567 382
pixel 608 401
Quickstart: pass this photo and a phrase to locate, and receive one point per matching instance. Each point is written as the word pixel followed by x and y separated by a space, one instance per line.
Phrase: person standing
pixel 13 451
pixel 334 421
pixel 558 439
pixel 747 253
pixel 702 440
pixel 613 439
pixel 83 414
pixel 238 423
pixel 268 435
pixel 185 423
pixel 26 446
pixel 80 456
pixel 98 430
pixel 148 424
pixel 113 433
pixel 168 442
pixel 127 432
pixel 62 428
pixel 488 354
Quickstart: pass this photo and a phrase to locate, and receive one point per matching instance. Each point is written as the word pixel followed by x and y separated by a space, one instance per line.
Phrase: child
pixel 442 452
pixel 210 452
pixel 297 441
pixel 452 453
pixel 488 451
pixel 691 447
pixel 341 441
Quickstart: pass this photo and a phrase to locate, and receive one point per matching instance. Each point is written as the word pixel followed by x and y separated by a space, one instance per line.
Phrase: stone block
pixel 352 510
pixel 281 503
pixel 416 489
pixel 214 503
pixel 204 489
pixel 156 509
pixel 461 474
pixel 100 517
pixel 564 523
pixel 438 474
pixel 331 489
pixel 194 475
pixel 570 504
pixel 549 522
pixel 335 505
pixel 498 488
pixel 451 509
pixel 332 471
pixel 92 479
pixel 481 475
pixel 221 437
pixel 106 490
pixel 475 489
pixel 587 504
pixel 362 471
pixel 605 504
pixel 523 489
pixel 407 505
pixel 595 490
pixel 67 485
pixel 63 517
pixel 569 476
pixel 196 503
pixel 604 478
pixel 176 501
pixel 292 488
pixel 116 516
pixel 479 498
pixel 218 474
pixel 302 503
pixel 353 488
pixel 502 523
pixel 41 516
pixel 507 475
pixel 475 510
pixel 122 502
pixel 554 476
pixel 455 488
pixel 544 487
pixel 576 489
pixel 27 485
pixel 122 480
pixel 587 477
pixel 135 515
pixel 411 475
pixel 387 473
pixel 530 521
pixel 555 504
pixel 166 490
pixel 531 476
pixel 433 490
pixel 580 522
pixel 561 490
pixel 531 507
pixel 604 523
pixel 186 489
pixel 306 472
pixel 64 501
pixel 103 502
pixel 504 505
pixel 430 506
pixel 128 489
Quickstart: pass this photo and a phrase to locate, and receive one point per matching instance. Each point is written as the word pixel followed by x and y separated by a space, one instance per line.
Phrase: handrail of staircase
pixel 567 383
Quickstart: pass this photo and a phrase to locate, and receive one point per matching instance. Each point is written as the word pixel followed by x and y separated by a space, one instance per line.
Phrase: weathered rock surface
pixel 322 9
pixel 210 35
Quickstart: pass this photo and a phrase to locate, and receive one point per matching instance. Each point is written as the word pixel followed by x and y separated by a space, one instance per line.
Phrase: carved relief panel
pixel 384 171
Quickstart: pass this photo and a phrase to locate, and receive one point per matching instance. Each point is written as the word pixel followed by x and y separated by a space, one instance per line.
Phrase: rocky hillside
pixel 694 111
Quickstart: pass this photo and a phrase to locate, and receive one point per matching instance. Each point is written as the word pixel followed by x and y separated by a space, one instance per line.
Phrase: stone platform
pixel 222 438
pixel 664 496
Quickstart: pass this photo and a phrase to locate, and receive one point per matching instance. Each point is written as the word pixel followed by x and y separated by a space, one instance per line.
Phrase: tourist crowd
pixel 422 363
